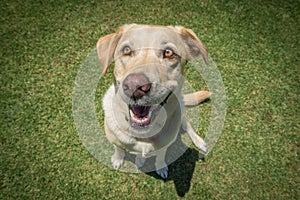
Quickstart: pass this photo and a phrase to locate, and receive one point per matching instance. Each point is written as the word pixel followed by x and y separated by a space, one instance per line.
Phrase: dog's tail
pixel 194 99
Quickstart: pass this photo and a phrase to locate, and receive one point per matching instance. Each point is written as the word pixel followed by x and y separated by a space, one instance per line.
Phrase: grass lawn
pixel 255 45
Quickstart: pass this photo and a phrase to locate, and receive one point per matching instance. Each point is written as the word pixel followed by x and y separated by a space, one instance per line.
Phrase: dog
pixel 143 108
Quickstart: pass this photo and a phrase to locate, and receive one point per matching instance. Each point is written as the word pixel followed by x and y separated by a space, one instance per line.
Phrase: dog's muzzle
pixel 142 104
pixel 141 116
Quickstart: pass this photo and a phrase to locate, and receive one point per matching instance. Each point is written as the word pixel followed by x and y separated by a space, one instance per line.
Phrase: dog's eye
pixel 127 50
pixel 168 53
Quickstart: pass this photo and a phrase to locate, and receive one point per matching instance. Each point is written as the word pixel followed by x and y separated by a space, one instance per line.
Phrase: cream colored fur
pixel 167 73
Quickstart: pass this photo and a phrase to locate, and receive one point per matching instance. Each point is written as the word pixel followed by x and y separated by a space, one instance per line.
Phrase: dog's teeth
pixel 145 120
pixel 131 113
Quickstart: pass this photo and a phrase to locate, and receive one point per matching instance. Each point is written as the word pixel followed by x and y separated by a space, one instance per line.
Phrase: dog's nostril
pixel 141 91
pixel 145 88
pixel 125 87
pixel 136 86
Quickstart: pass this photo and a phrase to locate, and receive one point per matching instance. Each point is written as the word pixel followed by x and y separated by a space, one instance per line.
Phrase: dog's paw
pixel 116 161
pixel 139 161
pixel 197 140
pixel 163 172
pixel 146 149
pixel 201 144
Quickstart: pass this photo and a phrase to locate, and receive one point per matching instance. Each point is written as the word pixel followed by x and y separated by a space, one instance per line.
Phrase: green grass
pixel 255 44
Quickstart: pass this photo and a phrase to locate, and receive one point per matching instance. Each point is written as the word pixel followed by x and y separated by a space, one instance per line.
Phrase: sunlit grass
pixel 256 47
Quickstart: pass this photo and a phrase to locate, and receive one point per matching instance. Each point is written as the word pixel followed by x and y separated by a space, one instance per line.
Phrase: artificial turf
pixel 255 45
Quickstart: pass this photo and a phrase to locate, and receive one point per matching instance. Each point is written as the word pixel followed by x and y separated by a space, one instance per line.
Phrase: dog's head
pixel 149 62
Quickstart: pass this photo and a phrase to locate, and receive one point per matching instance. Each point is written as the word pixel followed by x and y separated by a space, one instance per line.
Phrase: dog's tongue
pixel 141 111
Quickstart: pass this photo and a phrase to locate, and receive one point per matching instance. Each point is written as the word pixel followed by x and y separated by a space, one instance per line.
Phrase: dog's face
pixel 149 62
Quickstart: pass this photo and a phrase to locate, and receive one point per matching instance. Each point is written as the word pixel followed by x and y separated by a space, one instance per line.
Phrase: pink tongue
pixel 140 111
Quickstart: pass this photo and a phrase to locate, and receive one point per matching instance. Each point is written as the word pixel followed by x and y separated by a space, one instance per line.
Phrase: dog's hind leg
pixel 197 140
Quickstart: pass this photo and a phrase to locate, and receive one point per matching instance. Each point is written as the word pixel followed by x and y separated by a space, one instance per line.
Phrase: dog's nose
pixel 136 86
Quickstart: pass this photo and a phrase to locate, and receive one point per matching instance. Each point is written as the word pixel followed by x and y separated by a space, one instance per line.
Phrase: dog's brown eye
pixel 168 53
pixel 126 50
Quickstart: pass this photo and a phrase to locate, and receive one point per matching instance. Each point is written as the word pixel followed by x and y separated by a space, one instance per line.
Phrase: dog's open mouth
pixel 141 116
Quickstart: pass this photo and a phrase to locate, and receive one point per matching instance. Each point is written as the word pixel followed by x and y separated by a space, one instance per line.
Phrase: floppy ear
pixel 193 44
pixel 106 48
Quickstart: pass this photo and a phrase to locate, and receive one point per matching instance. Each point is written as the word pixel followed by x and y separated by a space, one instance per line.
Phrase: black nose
pixel 136 86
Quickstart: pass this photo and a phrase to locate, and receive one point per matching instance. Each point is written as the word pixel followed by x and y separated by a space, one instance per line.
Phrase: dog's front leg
pixel 160 164
pixel 139 161
pixel 117 158
pixel 197 140
pixel 144 149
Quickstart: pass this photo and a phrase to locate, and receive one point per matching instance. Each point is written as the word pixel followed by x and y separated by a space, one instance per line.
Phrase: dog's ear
pixel 106 48
pixel 194 46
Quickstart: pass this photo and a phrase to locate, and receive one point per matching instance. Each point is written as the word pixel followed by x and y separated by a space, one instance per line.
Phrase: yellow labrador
pixel 144 106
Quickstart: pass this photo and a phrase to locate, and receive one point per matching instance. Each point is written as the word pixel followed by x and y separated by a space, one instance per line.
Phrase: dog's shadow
pixel 181 170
